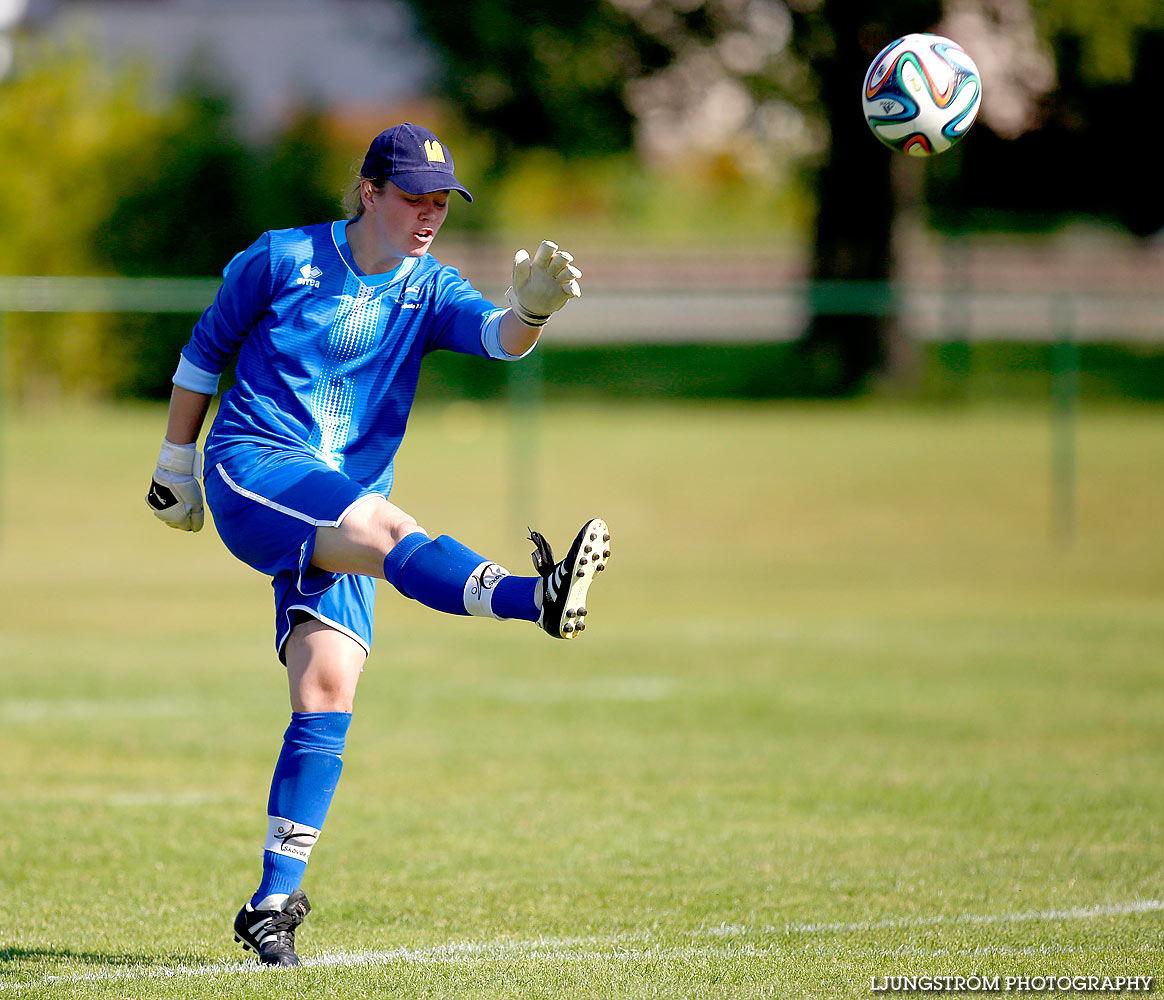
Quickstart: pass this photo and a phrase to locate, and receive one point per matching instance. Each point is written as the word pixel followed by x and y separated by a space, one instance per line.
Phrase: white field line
pixel 37 710
pixel 891 923
pixel 600 948
pixel 624 946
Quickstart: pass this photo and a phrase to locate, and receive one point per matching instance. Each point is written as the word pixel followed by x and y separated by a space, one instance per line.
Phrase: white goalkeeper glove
pixel 175 494
pixel 543 285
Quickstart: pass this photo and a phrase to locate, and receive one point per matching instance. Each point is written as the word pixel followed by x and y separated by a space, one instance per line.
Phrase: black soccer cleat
pixel 564 584
pixel 271 933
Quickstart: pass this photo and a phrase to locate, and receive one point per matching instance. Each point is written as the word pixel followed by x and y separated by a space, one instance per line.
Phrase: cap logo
pixel 434 151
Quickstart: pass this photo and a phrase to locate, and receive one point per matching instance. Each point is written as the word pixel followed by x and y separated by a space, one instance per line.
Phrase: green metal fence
pixel 192 295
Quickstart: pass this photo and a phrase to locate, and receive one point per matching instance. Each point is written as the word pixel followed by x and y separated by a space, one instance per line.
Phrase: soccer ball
pixel 921 94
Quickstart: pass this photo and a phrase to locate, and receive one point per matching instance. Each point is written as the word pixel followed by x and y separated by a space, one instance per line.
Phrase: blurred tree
pixel 1030 120
pixel 183 209
pixel 856 199
pixel 720 77
pixel 1104 59
pixel 100 177
pixel 300 180
pixel 533 76
pixel 1107 36
pixel 185 199
pixel 682 76
pixel 199 195
pixel 524 76
pixel 68 129
pixel 195 198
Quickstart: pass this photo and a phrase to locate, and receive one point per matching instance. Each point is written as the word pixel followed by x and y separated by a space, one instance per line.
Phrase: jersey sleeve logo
pixel 310 276
pixel 434 151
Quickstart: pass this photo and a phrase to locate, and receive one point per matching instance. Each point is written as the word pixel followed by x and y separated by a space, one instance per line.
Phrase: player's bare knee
pixel 378 525
pixel 389 524
pixel 329 693
pixel 404 528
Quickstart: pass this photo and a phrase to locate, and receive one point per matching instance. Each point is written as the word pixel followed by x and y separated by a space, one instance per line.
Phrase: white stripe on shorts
pixel 281 639
pixel 241 491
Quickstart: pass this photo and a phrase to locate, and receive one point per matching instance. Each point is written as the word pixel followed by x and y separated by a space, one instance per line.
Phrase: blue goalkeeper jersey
pixel 328 358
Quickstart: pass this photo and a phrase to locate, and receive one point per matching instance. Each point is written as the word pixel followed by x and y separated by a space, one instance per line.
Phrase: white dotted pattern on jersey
pixel 353 333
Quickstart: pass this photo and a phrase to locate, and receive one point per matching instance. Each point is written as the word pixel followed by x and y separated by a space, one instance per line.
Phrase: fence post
pixel 4 375
pixel 524 390
pixel 955 315
pixel 1064 417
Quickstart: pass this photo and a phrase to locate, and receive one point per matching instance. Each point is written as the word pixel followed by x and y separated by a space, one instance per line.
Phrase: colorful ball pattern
pixel 921 94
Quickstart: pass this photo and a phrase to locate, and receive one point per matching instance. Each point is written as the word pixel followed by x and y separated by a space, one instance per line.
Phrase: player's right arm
pixel 175 495
pixel 188 411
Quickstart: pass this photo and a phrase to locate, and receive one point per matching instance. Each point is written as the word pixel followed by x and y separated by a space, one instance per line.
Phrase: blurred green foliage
pixel 103 177
pixel 197 198
pixel 532 77
pixel 1107 35
pixel 541 117
pixel 616 201
pixel 527 82
pixel 68 131
pixel 1074 162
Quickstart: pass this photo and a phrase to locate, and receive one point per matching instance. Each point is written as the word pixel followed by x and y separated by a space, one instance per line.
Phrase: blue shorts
pixel 266 509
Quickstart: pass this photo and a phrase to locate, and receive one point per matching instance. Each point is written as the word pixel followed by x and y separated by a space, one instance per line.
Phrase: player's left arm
pixel 461 319
pixel 517 338
pixel 541 286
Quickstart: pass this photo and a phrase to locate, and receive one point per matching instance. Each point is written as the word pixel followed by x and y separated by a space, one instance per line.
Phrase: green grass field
pixel 845 710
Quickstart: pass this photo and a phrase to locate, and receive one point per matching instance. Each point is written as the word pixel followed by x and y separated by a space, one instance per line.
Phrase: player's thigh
pixel 323 667
pixel 267 505
pixel 359 543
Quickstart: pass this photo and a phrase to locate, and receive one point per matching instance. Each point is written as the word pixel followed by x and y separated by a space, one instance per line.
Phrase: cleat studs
pixel 606 554
pixel 570 612
pixel 581 626
pixel 599 567
pixel 581 612
pixel 606 538
pixel 567 628
pixel 593 536
pixel 588 548
pixel 583 561
pixel 580 572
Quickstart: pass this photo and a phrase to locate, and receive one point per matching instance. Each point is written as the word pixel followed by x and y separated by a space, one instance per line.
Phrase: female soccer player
pixel 330 323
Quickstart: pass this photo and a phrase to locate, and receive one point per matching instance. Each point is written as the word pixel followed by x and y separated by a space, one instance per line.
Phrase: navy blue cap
pixel 413 159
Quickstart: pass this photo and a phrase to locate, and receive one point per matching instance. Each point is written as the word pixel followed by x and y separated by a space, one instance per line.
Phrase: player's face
pixel 409 222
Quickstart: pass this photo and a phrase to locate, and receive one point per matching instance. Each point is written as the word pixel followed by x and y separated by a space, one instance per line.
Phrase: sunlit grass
pixel 847 708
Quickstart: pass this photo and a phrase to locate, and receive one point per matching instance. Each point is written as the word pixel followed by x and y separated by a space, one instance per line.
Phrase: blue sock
pixel 516 597
pixel 305 779
pixel 443 574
